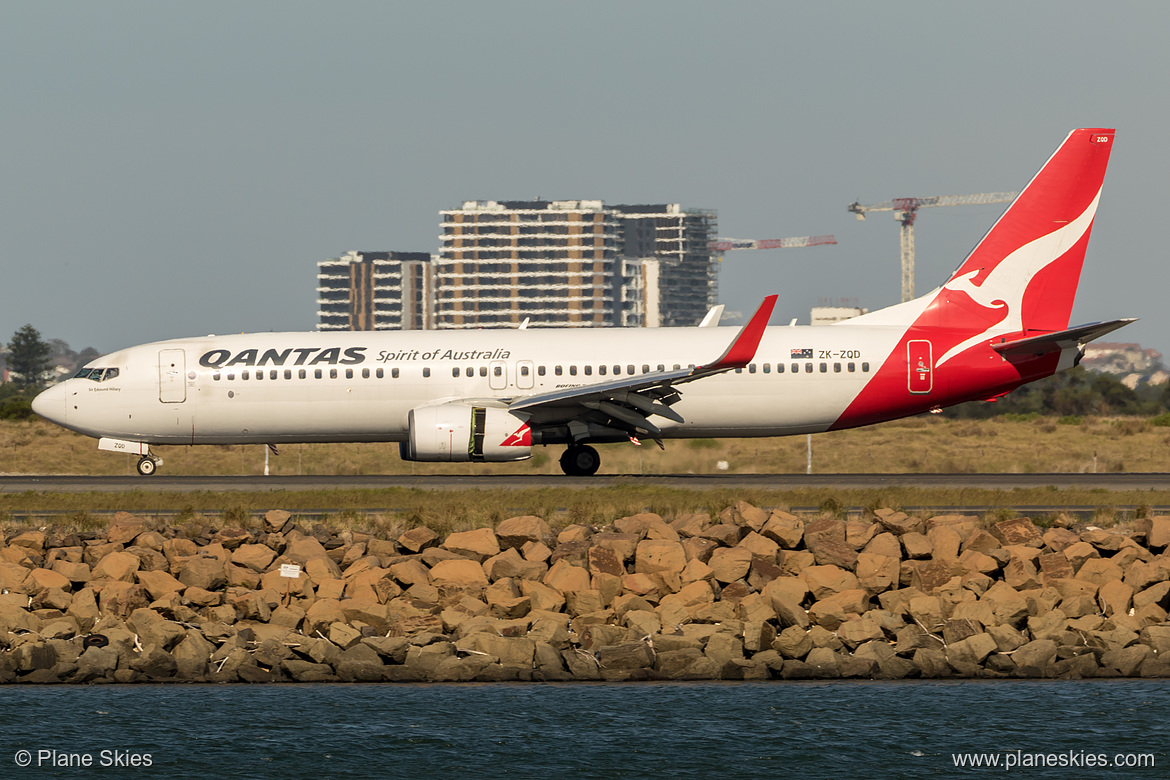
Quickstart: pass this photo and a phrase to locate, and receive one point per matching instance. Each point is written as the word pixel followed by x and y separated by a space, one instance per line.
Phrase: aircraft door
pixel 920 366
pixel 498 375
pixel 172 388
pixel 524 374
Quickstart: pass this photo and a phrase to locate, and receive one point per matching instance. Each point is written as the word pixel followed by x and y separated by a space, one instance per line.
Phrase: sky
pixel 177 169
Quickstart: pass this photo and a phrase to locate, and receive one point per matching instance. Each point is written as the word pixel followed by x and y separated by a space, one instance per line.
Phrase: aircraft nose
pixel 51 404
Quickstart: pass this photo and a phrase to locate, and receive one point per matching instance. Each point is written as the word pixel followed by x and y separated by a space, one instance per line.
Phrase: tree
pixel 28 358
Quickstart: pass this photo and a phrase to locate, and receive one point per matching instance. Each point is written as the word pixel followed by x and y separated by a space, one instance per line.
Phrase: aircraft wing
pixel 1058 341
pixel 633 399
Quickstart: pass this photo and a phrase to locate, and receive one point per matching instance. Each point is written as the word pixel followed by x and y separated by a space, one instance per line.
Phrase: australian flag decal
pixel 802 354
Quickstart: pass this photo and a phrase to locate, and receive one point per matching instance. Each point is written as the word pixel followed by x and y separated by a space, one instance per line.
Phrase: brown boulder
pixel 203 572
pixel 459 572
pixel 159 583
pixel 564 577
pixel 898 523
pixel 418 539
pixel 824 581
pixel 1019 530
pixel 831 611
pixel 117 566
pixel 257 557
pixel 659 555
pixel 787 530
pixel 729 564
pixel 479 544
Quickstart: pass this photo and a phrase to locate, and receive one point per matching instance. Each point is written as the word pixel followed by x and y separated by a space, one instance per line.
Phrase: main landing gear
pixel 147 465
pixel 580 460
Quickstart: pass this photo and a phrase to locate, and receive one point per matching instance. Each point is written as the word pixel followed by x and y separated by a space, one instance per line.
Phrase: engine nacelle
pixel 460 432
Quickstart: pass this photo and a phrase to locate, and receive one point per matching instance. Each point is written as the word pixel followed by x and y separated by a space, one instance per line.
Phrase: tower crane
pixel 731 244
pixel 906 211
pixel 721 245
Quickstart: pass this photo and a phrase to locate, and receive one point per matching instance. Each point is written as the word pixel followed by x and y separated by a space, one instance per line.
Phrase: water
pixel 699 730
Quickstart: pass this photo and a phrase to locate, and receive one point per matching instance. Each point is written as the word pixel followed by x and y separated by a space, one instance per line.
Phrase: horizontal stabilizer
pixel 1060 340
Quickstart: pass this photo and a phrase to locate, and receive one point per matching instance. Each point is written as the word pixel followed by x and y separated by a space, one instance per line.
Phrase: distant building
pixel 827 315
pixel 1129 362
pixel 573 263
pixel 564 263
pixel 675 242
pixel 375 291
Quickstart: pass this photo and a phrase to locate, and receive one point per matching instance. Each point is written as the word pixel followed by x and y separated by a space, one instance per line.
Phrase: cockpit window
pixel 97 374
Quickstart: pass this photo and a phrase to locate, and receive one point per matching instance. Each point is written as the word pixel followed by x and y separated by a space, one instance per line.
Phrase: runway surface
pixel 172 484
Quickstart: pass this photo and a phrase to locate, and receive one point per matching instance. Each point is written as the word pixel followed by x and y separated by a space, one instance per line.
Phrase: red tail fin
pixel 1023 275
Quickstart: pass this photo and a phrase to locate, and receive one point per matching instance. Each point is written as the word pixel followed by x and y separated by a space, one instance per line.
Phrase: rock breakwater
pixel 749 594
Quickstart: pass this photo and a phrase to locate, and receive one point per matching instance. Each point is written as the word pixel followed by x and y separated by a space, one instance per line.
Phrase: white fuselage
pixel 360 386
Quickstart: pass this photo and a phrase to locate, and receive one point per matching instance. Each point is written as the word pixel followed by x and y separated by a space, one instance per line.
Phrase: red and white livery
pixel 1000 321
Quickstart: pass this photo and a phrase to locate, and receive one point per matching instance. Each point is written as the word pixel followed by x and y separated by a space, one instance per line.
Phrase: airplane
pixel 1001 320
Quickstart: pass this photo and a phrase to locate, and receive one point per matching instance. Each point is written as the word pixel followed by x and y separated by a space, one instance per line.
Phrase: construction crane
pixel 721 245
pixel 733 244
pixel 906 210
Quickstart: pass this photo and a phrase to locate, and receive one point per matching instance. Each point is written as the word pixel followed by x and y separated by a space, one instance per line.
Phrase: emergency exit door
pixel 920 365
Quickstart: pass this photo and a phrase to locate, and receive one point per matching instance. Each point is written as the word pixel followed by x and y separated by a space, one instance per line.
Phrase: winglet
pixel 743 348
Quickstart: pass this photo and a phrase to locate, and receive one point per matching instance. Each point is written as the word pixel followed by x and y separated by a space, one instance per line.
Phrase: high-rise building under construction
pixel 564 263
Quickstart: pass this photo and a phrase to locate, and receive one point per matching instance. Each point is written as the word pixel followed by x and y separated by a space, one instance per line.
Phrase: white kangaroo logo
pixel 1005 286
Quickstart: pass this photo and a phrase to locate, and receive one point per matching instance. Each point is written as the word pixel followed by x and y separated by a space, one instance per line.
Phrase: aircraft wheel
pixel 580 461
pixel 147 466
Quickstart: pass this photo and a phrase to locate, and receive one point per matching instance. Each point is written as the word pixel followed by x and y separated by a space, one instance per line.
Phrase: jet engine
pixel 460 432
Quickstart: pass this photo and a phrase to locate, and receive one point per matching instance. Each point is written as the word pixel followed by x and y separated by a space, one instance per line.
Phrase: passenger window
pixel 661 367
pixel 836 368
pixel 288 373
pixel 260 374
pixel 317 373
pixel 751 368
pixel 865 367
pixel 470 372
pixel 795 368
pixel 808 368
pixel 365 373
pixel 557 370
pixel 588 370
pixel 540 370
pixel 333 373
pixel 617 370
pixel 767 368
pixel 231 376
pixel 645 369
pixel 496 371
pixel 273 374
pixel 676 367
pixel 572 371
pixel 455 372
pixel 215 376
pixel 739 370
pixel 852 367
pixel 630 369
pixel 394 373
pixel 779 368
pixel 600 371
pixel 483 370
pixel 302 374
pixel 378 373
pixel 824 368
pixel 244 375
pixel 523 370
pixel 426 372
